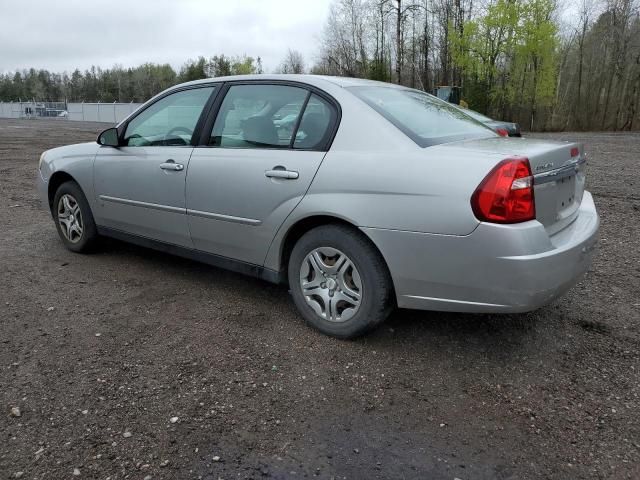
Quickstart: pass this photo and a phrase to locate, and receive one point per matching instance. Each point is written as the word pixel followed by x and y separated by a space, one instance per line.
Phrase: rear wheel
pixel 73 218
pixel 339 282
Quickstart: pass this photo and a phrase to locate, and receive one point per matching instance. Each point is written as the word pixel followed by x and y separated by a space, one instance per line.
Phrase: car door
pixel 265 146
pixel 140 185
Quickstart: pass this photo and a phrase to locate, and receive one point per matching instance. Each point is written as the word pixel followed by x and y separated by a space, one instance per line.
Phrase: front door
pixel 140 185
pixel 265 147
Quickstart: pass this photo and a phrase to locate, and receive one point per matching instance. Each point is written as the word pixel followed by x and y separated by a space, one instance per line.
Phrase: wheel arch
pixel 303 225
pixel 57 179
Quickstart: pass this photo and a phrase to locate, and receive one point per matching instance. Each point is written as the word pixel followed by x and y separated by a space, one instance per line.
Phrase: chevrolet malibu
pixel 373 196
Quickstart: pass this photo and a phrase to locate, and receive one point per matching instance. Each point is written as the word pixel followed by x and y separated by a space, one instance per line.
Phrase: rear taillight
pixel 506 193
pixel 502 132
pixel 575 152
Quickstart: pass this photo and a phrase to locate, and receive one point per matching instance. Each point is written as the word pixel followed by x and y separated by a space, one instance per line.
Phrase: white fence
pixel 100 112
pixel 11 110
pixel 84 112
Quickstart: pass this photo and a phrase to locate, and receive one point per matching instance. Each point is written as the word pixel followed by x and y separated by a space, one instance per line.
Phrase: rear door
pixel 262 151
pixel 140 185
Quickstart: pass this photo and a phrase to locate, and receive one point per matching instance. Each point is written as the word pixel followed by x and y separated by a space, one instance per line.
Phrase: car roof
pixel 316 80
pixel 330 84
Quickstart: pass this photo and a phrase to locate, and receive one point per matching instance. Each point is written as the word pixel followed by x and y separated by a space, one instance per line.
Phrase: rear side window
pixel 314 130
pixel 258 116
pixel 422 117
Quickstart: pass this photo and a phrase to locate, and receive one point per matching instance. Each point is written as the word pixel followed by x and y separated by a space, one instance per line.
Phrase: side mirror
pixel 109 138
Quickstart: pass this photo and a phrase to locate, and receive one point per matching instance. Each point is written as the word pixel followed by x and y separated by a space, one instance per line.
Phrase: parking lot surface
pixel 129 363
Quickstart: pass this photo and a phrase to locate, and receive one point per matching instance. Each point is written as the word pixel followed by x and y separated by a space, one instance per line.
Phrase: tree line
pixel 547 64
pixel 136 84
pixel 118 84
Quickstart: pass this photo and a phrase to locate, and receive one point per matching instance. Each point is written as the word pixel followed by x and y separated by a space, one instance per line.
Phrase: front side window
pixel 422 117
pixel 170 121
pixel 258 116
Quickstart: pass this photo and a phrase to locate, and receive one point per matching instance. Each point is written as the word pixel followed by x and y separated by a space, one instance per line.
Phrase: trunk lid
pixel 558 175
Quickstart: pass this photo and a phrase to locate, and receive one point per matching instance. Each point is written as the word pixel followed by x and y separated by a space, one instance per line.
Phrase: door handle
pixel 281 172
pixel 172 165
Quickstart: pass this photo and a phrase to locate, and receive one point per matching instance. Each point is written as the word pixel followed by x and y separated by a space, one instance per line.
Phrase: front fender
pixel 75 161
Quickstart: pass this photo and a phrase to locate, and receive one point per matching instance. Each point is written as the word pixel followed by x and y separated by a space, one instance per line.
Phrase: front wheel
pixel 73 218
pixel 339 281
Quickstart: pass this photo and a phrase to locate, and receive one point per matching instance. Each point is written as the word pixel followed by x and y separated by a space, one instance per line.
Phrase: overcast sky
pixel 63 35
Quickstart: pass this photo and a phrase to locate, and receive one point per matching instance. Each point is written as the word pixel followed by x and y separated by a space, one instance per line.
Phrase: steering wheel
pixel 170 135
pixel 134 136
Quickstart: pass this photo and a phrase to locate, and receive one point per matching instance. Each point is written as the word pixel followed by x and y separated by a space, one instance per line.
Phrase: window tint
pixel 258 116
pixel 314 126
pixel 422 117
pixel 169 121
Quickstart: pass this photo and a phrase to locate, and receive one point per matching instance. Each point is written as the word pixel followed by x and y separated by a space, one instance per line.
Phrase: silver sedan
pixel 369 196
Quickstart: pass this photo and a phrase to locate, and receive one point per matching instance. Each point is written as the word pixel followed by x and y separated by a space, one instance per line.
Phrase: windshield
pixel 422 117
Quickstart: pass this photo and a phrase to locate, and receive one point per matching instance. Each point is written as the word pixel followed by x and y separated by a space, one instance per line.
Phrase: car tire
pixel 339 281
pixel 73 218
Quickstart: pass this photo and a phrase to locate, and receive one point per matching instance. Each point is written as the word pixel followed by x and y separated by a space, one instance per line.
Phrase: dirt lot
pixel 131 364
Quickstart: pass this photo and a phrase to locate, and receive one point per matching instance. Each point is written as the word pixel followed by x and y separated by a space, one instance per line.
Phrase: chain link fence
pixel 83 112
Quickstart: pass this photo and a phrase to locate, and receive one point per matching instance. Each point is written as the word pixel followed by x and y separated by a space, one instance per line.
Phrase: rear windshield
pixel 424 118
pixel 476 115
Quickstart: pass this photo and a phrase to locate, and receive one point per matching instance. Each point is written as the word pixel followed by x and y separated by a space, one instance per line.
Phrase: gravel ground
pixel 131 364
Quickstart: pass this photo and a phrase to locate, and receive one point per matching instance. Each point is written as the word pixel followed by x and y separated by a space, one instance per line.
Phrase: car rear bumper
pixel 496 268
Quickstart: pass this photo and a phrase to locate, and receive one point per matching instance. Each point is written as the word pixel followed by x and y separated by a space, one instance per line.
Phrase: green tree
pixel 508 57
pixel 219 66
pixel 243 65
pixel 193 70
pixel 533 68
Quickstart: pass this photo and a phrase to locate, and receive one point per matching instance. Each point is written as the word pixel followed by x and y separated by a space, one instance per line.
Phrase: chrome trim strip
pixel 167 208
pixel 560 172
pixel 136 203
pixel 449 300
pixel 224 218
